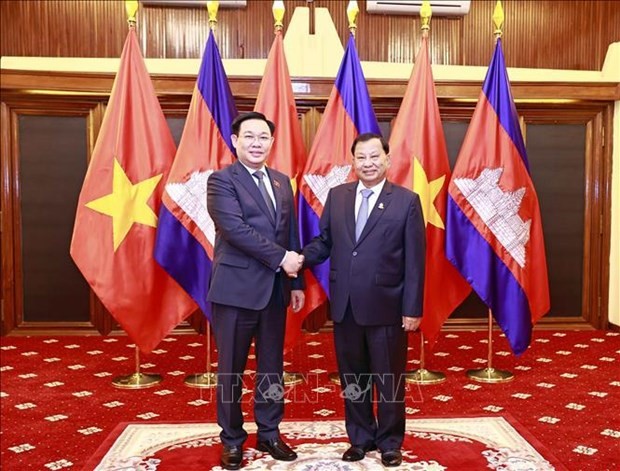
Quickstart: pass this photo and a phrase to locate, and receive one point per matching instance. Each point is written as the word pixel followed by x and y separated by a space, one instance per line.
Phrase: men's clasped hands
pixel 292 263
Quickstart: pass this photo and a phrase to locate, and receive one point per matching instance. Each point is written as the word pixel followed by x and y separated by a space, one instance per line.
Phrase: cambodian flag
pixel 186 233
pixel 348 113
pixel 494 231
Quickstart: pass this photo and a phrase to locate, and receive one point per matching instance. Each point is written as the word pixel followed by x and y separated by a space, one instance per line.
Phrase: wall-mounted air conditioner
pixel 412 7
pixel 193 3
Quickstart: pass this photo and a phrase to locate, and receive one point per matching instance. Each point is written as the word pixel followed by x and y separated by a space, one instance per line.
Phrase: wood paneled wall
pixel 557 34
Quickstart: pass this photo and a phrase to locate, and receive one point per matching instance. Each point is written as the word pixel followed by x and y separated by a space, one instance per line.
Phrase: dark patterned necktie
pixel 263 191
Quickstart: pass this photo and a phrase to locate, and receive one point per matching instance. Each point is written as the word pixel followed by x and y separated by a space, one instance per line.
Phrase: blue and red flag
pixel 186 233
pixel 494 229
pixel 348 113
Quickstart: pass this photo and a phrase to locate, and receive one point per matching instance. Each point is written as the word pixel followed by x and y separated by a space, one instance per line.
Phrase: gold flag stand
pixel 137 380
pixel 352 12
pixel 208 379
pixel 422 375
pixel 490 374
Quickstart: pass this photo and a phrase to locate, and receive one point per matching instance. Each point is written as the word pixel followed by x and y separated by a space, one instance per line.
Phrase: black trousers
pixel 234 330
pixel 372 357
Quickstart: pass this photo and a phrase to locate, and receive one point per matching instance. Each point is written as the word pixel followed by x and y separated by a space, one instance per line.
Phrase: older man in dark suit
pixel 373 232
pixel 253 209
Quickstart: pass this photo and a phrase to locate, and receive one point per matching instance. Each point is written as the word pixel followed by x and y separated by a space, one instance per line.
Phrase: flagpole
pixel 352 12
pixel 288 378
pixel 422 375
pixel 490 374
pixel 208 379
pixel 136 380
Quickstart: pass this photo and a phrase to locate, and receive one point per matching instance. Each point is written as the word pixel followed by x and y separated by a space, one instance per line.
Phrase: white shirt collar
pixel 252 170
pixel 375 189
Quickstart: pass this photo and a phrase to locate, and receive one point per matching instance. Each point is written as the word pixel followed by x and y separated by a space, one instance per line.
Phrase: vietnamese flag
pixel 420 162
pixel 116 219
pixel 288 155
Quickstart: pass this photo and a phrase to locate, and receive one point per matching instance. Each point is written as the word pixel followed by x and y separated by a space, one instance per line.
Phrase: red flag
pixel 420 162
pixel 114 232
pixel 288 155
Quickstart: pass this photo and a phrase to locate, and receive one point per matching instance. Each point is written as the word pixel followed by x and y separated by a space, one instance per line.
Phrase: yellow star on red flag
pixel 127 204
pixel 427 191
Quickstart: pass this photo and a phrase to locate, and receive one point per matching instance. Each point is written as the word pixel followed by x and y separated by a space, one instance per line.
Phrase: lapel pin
pixel 276 183
pixel 381 206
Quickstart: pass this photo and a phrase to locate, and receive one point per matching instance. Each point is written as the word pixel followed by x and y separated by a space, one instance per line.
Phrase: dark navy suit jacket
pixel 382 274
pixel 249 245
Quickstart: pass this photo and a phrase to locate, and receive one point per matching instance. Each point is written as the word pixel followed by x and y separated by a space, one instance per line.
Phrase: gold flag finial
pixel 278 14
pixel 212 7
pixel 352 11
pixel 425 14
pixel 131 7
pixel 498 19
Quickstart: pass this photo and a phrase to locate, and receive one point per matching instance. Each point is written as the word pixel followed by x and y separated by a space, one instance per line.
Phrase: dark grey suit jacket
pixel 383 273
pixel 249 245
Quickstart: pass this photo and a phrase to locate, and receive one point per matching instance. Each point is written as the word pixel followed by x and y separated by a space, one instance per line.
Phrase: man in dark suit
pixel 373 232
pixel 254 269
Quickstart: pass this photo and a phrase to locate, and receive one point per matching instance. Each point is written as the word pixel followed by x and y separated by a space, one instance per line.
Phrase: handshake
pixel 292 263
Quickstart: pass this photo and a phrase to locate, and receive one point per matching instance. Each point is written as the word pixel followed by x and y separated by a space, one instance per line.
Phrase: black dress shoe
pixel 277 449
pixel 231 457
pixel 357 453
pixel 391 458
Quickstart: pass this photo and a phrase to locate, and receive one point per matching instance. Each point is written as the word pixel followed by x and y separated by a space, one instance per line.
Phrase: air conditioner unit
pixel 193 3
pixel 412 7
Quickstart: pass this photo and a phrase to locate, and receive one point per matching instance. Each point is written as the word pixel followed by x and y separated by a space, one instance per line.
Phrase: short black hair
pixel 367 136
pixel 236 124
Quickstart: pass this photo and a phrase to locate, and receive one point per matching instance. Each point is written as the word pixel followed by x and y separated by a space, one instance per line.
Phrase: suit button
pixel 355 254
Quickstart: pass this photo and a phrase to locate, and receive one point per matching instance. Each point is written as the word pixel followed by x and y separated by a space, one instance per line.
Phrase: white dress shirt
pixel 372 199
pixel 266 180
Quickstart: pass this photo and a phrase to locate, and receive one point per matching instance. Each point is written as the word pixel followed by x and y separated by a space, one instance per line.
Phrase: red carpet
pixel 58 405
pixel 430 444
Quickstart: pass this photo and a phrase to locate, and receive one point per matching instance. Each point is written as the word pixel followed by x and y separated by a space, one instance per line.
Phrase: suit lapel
pixel 249 184
pixel 276 185
pixel 349 208
pixel 385 197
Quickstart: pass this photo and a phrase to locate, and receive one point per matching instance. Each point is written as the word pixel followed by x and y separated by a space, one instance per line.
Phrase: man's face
pixel 370 162
pixel 253 143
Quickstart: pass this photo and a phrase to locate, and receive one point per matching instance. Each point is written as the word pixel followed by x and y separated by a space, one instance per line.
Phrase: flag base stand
pixel 291 379
pixel 424 376
pixel 201 380
pixel 490 375
pixel 137 381
pixel 334 377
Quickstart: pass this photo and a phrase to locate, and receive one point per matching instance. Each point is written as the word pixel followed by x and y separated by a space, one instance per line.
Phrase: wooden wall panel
pixel 561 34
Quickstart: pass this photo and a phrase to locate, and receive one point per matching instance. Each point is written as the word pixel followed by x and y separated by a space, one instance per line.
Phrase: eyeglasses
pixel 250 139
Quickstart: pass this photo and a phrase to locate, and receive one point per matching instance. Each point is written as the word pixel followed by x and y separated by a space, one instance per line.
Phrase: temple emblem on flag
pixel 321 184
pixel 191 197
pixel 499 210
